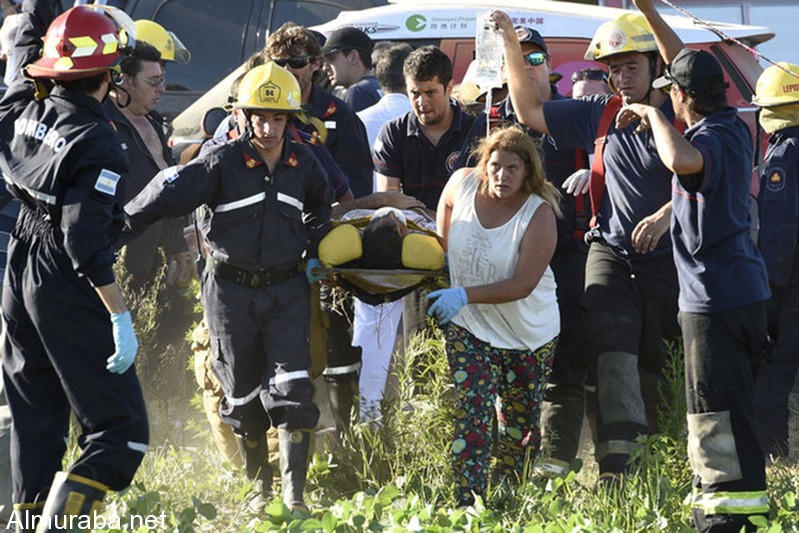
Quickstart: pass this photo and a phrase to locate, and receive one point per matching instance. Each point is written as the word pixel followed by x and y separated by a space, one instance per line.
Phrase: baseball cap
pixel 529 35
pixel 692 70
pixel 347 39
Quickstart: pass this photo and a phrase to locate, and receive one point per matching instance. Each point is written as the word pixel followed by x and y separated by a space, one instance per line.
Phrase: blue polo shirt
pixel 402 151
pixel 718 265
pixel 636 180
pixel 365 93
pixel 778 203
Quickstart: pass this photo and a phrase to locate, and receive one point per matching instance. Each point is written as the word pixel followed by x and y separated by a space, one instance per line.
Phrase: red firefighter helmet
pixel 80 43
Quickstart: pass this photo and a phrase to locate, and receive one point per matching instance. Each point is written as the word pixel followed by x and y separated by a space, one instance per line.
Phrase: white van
pixel 566 27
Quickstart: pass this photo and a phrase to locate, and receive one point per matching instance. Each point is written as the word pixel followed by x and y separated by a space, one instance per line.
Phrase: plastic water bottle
pixel 488 53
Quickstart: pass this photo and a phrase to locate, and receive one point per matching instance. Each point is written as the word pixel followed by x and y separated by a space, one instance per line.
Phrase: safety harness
pixel 596 188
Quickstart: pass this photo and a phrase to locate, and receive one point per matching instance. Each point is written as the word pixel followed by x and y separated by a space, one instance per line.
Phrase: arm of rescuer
pixel 669 43
pixel 527 103
pixel 535 252
pixel 376 200
pixel 173 192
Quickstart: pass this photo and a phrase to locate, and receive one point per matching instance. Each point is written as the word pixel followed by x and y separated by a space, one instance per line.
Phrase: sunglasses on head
pixel 535 58
pixel 294 62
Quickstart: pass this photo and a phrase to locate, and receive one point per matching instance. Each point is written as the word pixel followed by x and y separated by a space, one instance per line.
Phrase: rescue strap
pixel 252 280
pixel 581 214
pixel 596 187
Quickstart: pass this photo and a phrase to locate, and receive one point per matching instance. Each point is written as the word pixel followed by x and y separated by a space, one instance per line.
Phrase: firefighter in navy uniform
pixel 778 241
pixel 268 204
pixel 62 159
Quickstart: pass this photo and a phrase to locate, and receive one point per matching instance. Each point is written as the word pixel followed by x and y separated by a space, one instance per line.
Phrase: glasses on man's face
pixel 154 82
pixel 294 62
pixel 589 74
pixel 535 58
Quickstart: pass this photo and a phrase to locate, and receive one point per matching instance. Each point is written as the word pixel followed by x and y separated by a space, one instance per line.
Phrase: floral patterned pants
pixel 489 381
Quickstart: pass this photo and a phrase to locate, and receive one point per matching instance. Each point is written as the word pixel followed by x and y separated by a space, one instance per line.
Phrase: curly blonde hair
pixel 513 139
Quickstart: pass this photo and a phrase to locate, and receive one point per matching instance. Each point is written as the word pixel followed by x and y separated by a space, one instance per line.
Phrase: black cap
pixel 529 35
pixel 692 70
pixel 347 39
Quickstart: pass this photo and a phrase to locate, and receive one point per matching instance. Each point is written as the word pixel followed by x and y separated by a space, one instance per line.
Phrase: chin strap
pixel 118 90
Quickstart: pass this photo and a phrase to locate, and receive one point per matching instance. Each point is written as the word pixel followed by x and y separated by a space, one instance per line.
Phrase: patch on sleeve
pixel 775 179
pixel 171 173
pixel 107 182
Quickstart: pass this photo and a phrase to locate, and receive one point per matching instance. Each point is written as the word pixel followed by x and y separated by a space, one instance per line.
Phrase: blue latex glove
pixel 448 303
pixel 125 342
pixel 309 271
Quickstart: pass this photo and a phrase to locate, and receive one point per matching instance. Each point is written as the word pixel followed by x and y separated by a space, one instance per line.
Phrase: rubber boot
pixel 255 457
pixel 26 516
pixel 73 502
pixel 342 391
pixel 294 448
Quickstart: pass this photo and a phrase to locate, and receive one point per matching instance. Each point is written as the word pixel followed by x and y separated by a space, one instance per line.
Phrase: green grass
pixel 396 477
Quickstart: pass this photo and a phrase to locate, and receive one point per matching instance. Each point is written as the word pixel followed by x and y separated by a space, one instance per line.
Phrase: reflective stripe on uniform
pixel 286 199
pixel 39 195
pixel 138 446
pixel 745 502
pixel 551 468
pixel 609 447
pixel 238 402
pixel 238 204
pixel 289 376
pixel 340 370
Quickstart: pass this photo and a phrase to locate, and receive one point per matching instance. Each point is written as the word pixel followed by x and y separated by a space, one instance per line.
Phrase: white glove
pixel 577 184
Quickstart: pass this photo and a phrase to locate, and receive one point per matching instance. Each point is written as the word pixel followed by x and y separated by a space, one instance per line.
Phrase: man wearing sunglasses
pixel 297 50
pixel 589 81
pixel 631 282
pixel 564 400
pixel 131 109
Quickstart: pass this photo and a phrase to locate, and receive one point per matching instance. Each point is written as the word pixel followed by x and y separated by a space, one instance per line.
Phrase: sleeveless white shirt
pixel 479 255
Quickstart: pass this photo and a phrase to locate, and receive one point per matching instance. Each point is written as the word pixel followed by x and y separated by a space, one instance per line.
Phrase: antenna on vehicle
pixel 726 37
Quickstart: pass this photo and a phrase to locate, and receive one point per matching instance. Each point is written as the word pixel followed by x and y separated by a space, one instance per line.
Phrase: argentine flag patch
pixel 107 182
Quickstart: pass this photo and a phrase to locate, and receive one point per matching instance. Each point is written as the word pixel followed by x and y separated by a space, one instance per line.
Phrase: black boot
pixel 25 517
pixel 342 391
pixel 294 448
pixel 71 496
pixel 255 457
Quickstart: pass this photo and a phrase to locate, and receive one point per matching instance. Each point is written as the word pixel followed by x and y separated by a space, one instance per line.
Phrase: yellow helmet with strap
pixel 269 87
pixel 629 32
pixel 164 41
pixel 775 87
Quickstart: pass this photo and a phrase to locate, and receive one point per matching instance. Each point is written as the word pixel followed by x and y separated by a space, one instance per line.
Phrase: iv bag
pixel 488 53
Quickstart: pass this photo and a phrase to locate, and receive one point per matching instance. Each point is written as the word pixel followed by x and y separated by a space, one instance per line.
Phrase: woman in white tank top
pixel 500 317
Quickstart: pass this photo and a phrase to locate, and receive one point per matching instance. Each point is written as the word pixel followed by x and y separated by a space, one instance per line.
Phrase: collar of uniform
pixel 791 132
pixel 457 120
pixel 80 99
pixel 252 159
pixel 723 116
pixel 323 104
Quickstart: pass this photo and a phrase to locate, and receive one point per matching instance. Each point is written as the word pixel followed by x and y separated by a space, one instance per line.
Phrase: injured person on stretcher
pixel 382 254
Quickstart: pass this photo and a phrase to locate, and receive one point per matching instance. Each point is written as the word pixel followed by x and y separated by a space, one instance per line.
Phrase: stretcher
pixel 375 287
